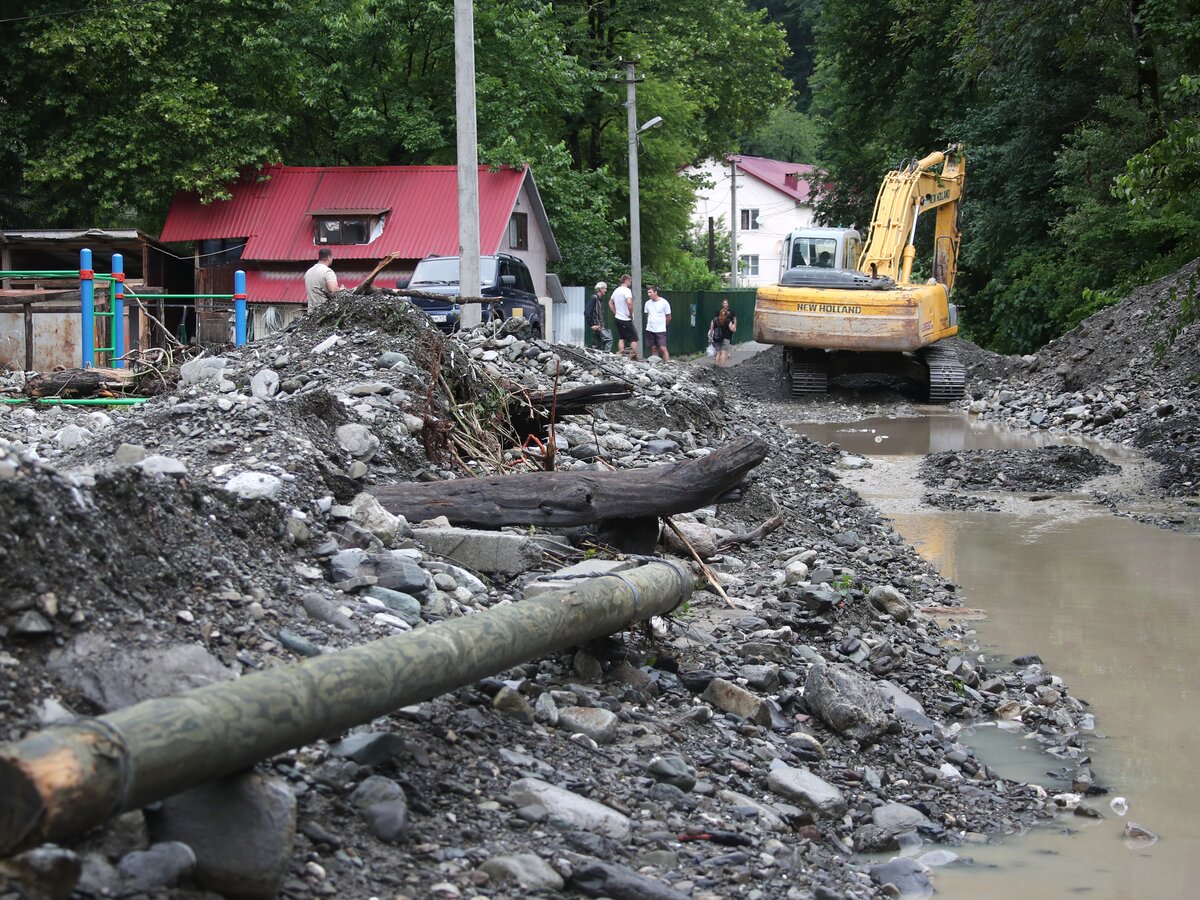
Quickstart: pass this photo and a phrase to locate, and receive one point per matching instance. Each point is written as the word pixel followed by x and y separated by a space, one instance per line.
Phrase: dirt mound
pixel 1042 469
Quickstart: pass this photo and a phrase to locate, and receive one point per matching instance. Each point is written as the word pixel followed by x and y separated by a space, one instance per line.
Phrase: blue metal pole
pixel 87 295
pixel 239 308
pixel 118 318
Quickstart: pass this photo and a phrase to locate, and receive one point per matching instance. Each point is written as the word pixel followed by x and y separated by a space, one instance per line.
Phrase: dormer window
pixel 347 226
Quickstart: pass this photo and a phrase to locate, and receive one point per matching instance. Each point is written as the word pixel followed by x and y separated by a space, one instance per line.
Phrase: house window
pixel 342 231
pixel 220 251
pixel 518 231
pixel 347 226
pixel 748 265
pixel 749 220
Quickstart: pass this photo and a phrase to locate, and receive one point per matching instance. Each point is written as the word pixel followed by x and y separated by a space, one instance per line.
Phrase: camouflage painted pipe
pixel 70 777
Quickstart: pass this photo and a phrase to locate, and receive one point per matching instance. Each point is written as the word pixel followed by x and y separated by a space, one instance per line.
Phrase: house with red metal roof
pixel 277 220
pixel 773 198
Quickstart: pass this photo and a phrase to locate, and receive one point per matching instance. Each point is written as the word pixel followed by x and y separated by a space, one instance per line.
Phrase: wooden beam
pixel 556 499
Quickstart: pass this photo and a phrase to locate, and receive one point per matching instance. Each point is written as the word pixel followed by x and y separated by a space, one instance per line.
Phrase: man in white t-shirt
pixel 320 284
pixel 658 314
pixel 621 304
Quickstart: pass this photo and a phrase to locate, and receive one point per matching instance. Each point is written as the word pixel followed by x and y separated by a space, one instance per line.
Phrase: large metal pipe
pixel 70 777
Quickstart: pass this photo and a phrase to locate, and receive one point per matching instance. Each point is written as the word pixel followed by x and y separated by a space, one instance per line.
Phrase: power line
pixel 72 12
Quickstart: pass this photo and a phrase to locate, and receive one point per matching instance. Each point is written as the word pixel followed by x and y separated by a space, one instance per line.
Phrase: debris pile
pixel 805 708
pixel 1130 373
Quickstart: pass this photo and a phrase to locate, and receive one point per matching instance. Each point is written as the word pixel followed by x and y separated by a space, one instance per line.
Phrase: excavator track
pixel 947 378
pixel 808 372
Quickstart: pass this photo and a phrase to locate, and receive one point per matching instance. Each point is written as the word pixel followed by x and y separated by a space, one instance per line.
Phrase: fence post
pixel 239 308
pixel 118 310
pixel 87 304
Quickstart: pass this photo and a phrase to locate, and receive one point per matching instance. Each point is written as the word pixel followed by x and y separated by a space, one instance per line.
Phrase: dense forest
pixel 1081 120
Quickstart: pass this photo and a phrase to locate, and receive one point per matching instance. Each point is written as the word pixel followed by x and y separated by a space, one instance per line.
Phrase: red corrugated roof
pixel 285 286
pixel 275 214
pixel 775 172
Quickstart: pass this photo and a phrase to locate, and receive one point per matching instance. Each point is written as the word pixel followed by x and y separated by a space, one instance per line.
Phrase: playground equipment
pixel 115 314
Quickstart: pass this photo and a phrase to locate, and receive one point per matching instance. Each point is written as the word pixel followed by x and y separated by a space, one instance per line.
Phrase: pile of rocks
pixel 1129 373
pixel 740 749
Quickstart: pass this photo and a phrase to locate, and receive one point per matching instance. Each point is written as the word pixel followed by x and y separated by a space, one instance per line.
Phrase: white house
pixel 773 198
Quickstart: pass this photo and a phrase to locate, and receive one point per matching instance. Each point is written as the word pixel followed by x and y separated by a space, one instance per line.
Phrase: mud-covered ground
pixel 1028 471
pixel 226 527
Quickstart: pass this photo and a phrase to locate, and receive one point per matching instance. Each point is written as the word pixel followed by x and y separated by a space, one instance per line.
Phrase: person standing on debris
pixel 621 304
pixel 593 319
pixel 320 283
pixel 658 315
pixel 721 331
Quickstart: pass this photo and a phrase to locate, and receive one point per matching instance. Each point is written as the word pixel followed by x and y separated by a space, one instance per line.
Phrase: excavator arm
pixel 903 196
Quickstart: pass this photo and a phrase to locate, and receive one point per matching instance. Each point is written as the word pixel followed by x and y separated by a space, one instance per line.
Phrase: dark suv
pixel 500 276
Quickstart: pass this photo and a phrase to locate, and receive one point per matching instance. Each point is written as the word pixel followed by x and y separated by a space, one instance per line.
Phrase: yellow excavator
pixel 869 316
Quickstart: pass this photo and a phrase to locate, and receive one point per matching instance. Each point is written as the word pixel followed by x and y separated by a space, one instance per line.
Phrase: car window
pixel 524 279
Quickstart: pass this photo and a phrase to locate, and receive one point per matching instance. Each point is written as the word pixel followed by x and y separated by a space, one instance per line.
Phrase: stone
pixel 767 818
pixel 206 368
pixel 322 610
pixel 376 789
pixel 347 564
pixel 112 677
pixel 594 878
pixel 254 486
pixel 888 599
pixel 71 436
pixel 357 440
pixel 264 384
pixel 370 748
pixel 48 872
pixel 297 644
pixel 907 875
pixel 370 514
pixel 482 551
pixel 129 454
pixel 163 465
pixel 388 820
pixel 396 571
pixel 527 871
pixel 406 606
pixel 897 818
pixel 846 701
pixel 702 538
pixel 392 358
pixel 580 812
pixel 512 703
pixel 729 697
pixel 159 866
pixel 672 769
pixel 761 678
pixel 241 830
pixel 32 624
pixel 655 448
pixel 805 788
pixel 598 724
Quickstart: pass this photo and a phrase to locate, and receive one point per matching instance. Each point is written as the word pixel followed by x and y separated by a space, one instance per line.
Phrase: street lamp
pixel 635 223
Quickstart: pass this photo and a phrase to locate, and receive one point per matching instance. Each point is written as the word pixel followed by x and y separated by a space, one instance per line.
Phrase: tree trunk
pixel 558 499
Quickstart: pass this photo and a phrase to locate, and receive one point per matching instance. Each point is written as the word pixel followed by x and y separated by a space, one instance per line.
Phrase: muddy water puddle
pixel 1113 607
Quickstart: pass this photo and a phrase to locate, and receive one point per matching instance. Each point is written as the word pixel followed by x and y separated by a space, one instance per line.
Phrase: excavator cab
pixel 823 248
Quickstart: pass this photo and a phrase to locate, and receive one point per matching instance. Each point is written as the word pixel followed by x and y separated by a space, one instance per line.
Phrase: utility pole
pixel 468 160
pixel 635 220
pixel 733 223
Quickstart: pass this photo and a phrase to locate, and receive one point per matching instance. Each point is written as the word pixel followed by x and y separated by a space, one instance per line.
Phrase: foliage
pixel 1082 171
pixel 787 134
pixel 105 113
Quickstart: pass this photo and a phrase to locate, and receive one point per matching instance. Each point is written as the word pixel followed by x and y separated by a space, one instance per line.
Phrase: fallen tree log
pixel 557 499
pixel 82 383
pixel 530 414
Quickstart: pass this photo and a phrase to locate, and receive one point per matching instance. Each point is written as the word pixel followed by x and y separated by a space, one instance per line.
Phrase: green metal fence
pixel 691 313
